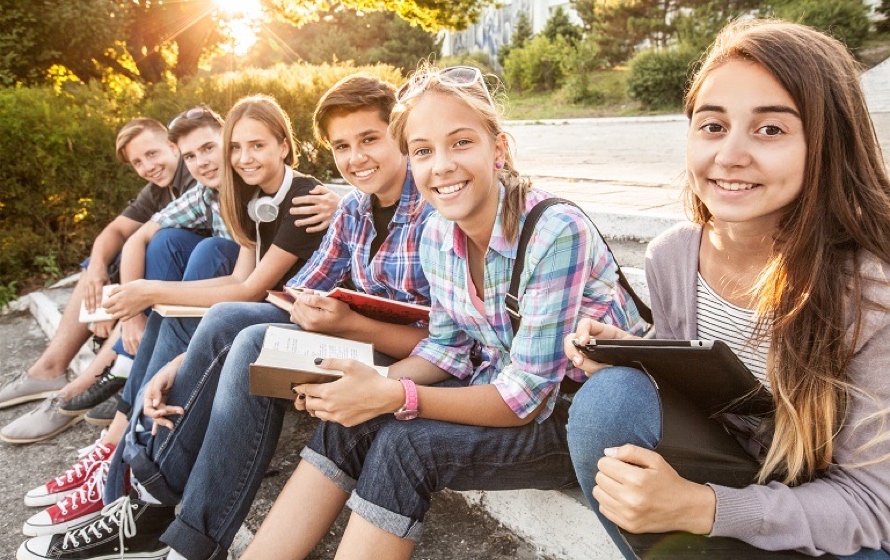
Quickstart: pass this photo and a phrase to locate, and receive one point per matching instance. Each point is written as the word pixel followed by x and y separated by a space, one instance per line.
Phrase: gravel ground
pixel 453 531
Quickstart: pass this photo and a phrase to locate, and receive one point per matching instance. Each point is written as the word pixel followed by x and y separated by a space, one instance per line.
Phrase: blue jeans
pixel 179 254
pixel 391 468
pixel 194 390
pixel 619 405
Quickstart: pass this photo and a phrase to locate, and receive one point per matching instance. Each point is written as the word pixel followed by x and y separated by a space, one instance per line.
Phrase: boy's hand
pixel 318 207
pixel 155 397
pixel 129 300
pixel 131 332
pixel 320 314
pixel 95 277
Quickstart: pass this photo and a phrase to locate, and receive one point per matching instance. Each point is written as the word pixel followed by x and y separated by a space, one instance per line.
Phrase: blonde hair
pixel 476 97
pixel 235 194
pixel 133 129
pixel 843 209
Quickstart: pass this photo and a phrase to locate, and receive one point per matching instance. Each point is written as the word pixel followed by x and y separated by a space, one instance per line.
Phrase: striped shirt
pixel 568 273
pixel 717 319
pixel 344 256
pixel 197 209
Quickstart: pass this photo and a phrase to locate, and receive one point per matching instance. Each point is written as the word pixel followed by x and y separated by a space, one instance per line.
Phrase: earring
pixel 498 165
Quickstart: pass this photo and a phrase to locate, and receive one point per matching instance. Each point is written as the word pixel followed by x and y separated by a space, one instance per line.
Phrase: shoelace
pixel 88 456
pixel 118 513
pixel 90 491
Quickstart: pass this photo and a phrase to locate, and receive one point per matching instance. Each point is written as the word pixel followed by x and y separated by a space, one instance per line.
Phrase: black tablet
pixel 707 373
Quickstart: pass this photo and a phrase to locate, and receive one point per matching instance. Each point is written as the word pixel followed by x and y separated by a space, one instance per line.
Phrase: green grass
pixel 608 87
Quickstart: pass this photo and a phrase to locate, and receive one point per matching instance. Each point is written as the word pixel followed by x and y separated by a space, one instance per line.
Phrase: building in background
pixel 495 26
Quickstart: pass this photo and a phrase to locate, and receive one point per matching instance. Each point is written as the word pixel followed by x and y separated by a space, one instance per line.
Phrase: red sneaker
pixel 79 508
pixel 70 480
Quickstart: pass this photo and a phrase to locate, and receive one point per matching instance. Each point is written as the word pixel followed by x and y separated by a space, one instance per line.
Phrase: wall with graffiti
pixel 496 26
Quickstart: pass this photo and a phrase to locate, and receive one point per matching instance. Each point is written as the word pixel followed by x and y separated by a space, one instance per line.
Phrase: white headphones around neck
pixel 264 209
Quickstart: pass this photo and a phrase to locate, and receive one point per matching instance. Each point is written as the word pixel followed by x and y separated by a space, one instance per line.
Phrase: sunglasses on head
pixel 454 76
pixel 193 114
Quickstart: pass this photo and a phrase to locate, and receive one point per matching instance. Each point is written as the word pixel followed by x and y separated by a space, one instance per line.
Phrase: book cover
pixel 287 359
pixel 99 314
pixel 168 310
pixel 375 307
pixel 280 299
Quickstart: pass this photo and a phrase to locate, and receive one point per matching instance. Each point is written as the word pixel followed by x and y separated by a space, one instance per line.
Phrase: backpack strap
pixel 531 221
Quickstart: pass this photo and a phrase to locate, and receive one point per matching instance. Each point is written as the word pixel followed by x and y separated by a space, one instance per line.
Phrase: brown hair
pixel 235 194
pixel 477 98
pixel 844 208
pixel 133 129
pixel 183 124
pixel 356 92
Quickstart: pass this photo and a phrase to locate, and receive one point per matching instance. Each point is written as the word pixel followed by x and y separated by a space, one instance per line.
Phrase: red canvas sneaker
pixel 76 509
pixel 72 479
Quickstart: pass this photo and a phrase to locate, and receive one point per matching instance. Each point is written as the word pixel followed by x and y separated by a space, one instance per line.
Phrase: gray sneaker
pixel 25 388
pixel 44 422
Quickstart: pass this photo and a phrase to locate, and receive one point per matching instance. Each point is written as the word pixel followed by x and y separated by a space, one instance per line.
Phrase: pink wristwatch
pixel 409 410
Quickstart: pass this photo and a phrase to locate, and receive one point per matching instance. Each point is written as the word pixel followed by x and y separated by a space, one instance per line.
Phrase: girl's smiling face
pixel 453 159
pixel 257 156
pixel 746 149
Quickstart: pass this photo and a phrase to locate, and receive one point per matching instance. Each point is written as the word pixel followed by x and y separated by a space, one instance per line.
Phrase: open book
pixel 169 310
pixel 375 307
pixel 287 359
pixel 99 314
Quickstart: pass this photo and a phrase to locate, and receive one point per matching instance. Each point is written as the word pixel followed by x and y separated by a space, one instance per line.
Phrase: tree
pixel 521 35
pixel 348 35
pixel 151 41
pixel 845 20
pixel 559 24
pixel 884 9
pixel 35 36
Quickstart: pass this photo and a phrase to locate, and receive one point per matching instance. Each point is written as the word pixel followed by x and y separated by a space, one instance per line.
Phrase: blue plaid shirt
pixel 394 272
pixel 197 209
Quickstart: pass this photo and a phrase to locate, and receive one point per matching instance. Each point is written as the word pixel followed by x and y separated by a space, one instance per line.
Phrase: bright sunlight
pixel 240 20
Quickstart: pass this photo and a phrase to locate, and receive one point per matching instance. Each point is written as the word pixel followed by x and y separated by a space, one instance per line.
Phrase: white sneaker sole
pixel 47 500
pixel 24 554
pixel 39 530
pixel 27 398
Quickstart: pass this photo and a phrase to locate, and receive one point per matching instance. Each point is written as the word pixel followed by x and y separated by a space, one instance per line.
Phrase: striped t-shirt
pixel 718 319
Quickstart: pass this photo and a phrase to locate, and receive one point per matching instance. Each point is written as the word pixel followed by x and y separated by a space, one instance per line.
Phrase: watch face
pixel 406 415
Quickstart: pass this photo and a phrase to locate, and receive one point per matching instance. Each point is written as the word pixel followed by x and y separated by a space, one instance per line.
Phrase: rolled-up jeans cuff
pixel 191 543
pixel 390 521
pixel 149 475
pixel 329 469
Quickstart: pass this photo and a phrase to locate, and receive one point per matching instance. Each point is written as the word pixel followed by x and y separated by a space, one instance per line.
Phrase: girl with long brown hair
pixel 788 260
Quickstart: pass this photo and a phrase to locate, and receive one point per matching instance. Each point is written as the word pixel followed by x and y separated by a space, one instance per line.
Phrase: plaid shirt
pixel 197 209
pixel 568 273
pixel 394 272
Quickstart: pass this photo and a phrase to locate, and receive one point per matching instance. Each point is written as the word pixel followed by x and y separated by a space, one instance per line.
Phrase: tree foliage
pixel 845 20
pixel 884 9
pixel 349 35
pixel 559 24
pixel 521 35
pixel 151 41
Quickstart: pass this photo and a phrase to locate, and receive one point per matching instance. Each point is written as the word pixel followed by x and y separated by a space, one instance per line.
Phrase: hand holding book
pixel 360 394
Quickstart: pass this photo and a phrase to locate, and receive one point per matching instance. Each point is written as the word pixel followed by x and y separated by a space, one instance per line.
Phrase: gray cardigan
pixel 849 507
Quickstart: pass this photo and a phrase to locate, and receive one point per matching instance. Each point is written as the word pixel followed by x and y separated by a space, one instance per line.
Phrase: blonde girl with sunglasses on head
pixel 474 407
pixel 791 206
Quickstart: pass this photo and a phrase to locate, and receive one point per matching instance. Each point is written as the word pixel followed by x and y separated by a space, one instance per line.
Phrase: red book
pixel 381 309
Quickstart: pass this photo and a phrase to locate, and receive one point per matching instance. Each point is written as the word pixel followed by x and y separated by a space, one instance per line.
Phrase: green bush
pixel 658 78
pixel 63 184
pixel 580 68
pixel 845 20
pixel 539 65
